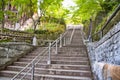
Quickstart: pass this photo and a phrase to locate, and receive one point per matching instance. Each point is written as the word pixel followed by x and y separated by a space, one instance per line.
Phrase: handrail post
pixel 7 56
pixel 56 47
pixel 60 40
pixel 72 35
pixel 33 68
pixel 64 41
pixel 90 38
pixel 67 40
pixel 34 41
pixel 49 52
pixel 90 31
pixel 101 34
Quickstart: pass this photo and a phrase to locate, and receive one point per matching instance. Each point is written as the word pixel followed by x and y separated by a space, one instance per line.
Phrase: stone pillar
pixel 34 41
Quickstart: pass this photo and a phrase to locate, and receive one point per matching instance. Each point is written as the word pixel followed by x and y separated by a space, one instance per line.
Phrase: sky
pixel 68 3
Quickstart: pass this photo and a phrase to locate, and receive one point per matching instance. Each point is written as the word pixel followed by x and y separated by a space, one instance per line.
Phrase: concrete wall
pixel 13 50
pixel 107 50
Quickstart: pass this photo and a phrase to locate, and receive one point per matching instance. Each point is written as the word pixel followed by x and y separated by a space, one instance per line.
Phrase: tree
pixel 2 8
pixel 86 9
pixel 52 10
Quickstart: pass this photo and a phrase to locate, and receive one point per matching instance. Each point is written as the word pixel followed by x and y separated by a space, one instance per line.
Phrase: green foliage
pixel 2 6
pixel 51 17
pixel 53 20
pixel 41 31
pixel 97 10
pixel 53 9
pixel 5 40
pixel 1 15
pixel 108 5
pixel 86 9
pixel 25 6
pixel 49 30
pixel 109 8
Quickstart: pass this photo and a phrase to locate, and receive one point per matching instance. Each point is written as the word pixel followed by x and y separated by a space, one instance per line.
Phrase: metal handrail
pixel 72 35
pixel 107 39
pixel 33 63
pixel 28 64
pixel 112 16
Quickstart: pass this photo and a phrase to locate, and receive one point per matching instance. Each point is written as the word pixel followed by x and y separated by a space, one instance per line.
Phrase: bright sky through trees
pixel 68 3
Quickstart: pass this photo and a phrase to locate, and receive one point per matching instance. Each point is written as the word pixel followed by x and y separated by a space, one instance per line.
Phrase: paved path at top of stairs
pixel 71 63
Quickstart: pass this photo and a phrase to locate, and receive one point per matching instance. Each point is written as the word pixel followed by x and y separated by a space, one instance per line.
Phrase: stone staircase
pixel 71 63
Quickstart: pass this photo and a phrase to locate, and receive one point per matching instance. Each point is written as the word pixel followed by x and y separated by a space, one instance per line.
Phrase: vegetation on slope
pixel 53 16
pixel 97 10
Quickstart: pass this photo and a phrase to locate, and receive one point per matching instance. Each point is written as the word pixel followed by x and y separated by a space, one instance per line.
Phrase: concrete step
pixel 81 51
pixel 44 76
pixel 55 59
pixel 59 58
pixel 55 62
pixel 72 52
pixel 63 55
pixel 18 68
pixel 72 55
pixel 11 74
pixel 75 46
pixel 71 62
pixel 28 61
pixel 56 66
pixel 77 49
pixel 60 55
pixel 37 50
pixel 53 71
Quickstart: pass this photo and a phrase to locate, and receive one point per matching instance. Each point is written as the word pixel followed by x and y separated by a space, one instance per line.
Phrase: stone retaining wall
pixel 13 50
pixel 107 50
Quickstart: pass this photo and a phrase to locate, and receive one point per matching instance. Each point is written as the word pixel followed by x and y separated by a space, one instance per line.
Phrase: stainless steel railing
pixel 31 66
pixel 72 35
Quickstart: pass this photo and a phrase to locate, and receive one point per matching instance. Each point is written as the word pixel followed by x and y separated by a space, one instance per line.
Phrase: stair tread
pixel 56 60
pixel 53 76
pixel 53 69
pixel 68 61
pixel 56 64
pixel 59 56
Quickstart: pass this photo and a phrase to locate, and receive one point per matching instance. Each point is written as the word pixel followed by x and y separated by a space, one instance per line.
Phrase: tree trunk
pixel 3 20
